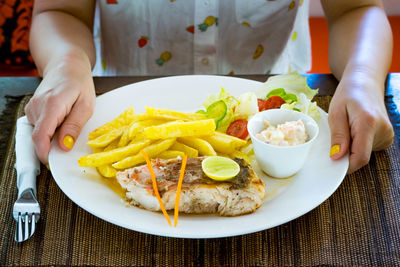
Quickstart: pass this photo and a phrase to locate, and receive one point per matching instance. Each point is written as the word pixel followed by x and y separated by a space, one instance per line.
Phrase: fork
pixel 26 211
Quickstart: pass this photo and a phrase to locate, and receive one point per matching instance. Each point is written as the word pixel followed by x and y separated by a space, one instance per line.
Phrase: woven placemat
pixel 357 226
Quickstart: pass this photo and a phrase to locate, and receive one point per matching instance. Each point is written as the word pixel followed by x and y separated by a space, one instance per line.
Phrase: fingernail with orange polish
pixel 334 150
pixel 68 141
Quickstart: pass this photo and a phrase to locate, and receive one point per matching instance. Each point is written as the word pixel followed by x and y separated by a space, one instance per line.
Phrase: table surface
pixel 12 90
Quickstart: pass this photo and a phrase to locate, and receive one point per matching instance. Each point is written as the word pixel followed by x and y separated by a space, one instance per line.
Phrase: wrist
pixel 72 63
pixel 362 79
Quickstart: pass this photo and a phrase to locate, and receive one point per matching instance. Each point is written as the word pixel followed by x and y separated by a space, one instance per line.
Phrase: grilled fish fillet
pixel 240 195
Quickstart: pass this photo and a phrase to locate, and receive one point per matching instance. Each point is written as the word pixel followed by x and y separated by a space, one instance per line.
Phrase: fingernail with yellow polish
pixel 68 141
pixel 47 166
pixel 334 150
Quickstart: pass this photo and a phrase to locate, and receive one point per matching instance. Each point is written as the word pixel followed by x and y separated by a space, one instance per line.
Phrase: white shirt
pixel 167 37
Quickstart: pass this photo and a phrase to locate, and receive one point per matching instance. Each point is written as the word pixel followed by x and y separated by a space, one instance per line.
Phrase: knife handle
pixel 27 164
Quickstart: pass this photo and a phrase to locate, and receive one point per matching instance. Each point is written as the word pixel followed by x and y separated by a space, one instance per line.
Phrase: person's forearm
pixel 360 45
pixel 360 51
pixel 59 39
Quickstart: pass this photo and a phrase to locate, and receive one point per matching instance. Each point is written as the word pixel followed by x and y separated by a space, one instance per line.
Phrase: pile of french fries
pixel 161 133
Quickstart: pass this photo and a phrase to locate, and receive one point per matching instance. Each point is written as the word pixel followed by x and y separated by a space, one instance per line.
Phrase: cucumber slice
pixel 217 111
pixel 225 122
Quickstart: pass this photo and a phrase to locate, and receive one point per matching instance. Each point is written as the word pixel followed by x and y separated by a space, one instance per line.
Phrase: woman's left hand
pixel 359 122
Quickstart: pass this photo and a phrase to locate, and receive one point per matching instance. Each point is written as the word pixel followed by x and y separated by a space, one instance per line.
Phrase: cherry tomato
pixel 238 128
pixel 272 102
pixel 261 104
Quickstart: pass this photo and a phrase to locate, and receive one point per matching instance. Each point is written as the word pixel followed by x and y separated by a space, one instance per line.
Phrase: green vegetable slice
pixel 289 98
pixel 277 92
pixel 226 121
pixel 217 111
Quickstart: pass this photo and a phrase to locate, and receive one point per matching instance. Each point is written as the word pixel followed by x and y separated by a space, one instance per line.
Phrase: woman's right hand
pixel 64 101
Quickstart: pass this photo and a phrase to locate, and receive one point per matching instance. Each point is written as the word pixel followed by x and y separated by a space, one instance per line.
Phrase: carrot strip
pixel 178 190
pixel 153 178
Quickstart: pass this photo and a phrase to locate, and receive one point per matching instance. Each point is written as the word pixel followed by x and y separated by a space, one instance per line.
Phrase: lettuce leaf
pixel 224 95
pixel 292 82
pixel 305 106
pixel 247 107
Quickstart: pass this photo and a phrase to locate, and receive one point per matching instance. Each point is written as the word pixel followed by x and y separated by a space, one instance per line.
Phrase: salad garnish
pixel 286 91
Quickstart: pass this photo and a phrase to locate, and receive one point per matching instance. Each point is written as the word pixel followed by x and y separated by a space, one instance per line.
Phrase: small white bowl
pixel 281 161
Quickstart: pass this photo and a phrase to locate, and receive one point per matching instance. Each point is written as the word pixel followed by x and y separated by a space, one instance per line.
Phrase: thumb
pixel 74 122
pixel 340 133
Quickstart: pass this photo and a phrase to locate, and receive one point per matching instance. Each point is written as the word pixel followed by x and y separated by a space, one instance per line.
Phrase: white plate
pixel 286 199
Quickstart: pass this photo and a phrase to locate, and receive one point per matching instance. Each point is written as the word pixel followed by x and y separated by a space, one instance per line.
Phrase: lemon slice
pixel 220 168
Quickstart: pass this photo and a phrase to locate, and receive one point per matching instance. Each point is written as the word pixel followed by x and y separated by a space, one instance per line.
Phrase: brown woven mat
pixel 359 225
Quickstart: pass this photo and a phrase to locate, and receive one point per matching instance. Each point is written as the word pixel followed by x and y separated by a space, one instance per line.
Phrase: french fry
pixel 139 136
pixel 219 144
pixel 151 150
pixel 170 154
pixel 106 138
pixel 107 171
pixel 112 145
pixel 123 119
pixel 124 137
pixel 107 157
pixel 239 154
pixel 137 126
pixel 201 145
pixel 224 143
pixel 236 141
pixel 97 149
pixel 175 114
pixel 145 117
pixel 179 129
pixel 189 151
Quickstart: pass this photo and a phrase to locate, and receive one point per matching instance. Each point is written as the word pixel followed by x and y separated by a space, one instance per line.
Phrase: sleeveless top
pixel 169 37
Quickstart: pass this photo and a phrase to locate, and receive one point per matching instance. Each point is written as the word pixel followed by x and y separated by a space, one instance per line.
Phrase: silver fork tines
pixel 26 212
